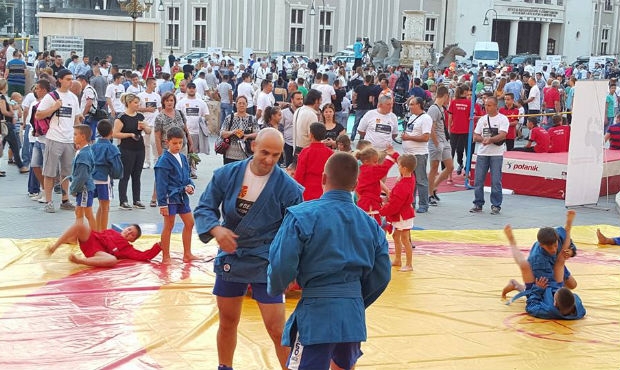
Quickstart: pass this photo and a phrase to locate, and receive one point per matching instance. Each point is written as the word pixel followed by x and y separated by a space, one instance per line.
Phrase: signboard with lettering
pixel 553 14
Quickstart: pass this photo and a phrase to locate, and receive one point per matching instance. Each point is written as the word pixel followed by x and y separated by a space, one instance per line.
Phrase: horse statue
pixel 378 53
pixel 449 54
pixel 394 58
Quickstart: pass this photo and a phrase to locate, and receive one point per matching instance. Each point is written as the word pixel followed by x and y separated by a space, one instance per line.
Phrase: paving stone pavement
pixel 22 218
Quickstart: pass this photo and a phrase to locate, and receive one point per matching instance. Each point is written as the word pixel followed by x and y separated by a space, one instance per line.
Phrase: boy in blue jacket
pixel 82 186
pixel 173 184
pixel 548 299
pixel 108 166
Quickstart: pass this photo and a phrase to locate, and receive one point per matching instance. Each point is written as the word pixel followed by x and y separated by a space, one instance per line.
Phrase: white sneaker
pixel 146 165
pixel 42 199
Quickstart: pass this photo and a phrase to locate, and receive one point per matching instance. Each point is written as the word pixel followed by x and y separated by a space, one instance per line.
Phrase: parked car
pixel 347 61
pixel 523 59
pixel 194 56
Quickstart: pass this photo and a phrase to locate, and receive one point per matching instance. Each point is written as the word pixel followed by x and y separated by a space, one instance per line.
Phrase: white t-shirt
pixel 251 188
pixel 326 93
pixel 32 56
pixel 418 125
pixel 135 89
pixel 177 156
pixel 61 124
pixel 246 89
pixel 379 128
pixel 499 122
pixel 535 93
pixel 223 89
pixel 114 92
pixel 263 101
pixel 193 109
pixel 201 86
pixel 148 100
pixel 88 93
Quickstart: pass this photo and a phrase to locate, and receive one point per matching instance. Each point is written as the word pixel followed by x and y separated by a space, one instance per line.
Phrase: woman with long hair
pixel 128 127
pixel 239 127
pixel 499 92
pixel 334 129
pixel 272 117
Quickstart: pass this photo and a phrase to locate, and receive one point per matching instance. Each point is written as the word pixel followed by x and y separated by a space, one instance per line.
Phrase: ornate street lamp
pixel 322 41
pixel 486 20
pixel 135 9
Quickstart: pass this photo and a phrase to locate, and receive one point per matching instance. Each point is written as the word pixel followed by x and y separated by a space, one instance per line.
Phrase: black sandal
pixel 2 174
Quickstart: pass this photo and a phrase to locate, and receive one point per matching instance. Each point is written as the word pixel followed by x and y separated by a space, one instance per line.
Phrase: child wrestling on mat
pixel 104 248
pixel 548 298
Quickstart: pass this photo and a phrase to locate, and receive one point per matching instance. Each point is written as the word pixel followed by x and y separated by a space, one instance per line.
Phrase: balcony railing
pixel 172 42
pixel 297 48
pixel 325 48
pixel 198 43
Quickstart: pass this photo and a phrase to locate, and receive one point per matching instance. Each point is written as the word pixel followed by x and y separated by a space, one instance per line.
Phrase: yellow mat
pixel 446 314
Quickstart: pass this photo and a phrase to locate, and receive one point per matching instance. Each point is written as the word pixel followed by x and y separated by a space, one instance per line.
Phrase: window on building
pixel 608 6
pixel 199 39
pixel 325 31
pixel 430 32
pixel 172 38
pixel 548 2
pixel 604 40
pixel 560 2
pixel 539 1
pixel 296 42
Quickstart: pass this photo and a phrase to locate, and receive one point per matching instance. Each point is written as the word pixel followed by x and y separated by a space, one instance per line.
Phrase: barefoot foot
pixel 75 259
pixel 512 285
pixel 166 260
pixel 601 238
pixel 51 249
pixel 406 268
pixel 189 258
pixel 396 263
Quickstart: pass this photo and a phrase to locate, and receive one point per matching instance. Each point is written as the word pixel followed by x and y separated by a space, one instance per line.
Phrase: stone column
pixel 544 39
pixel 615 48
pixel 514 35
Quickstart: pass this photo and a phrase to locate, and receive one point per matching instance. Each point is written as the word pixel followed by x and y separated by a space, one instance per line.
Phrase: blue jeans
pixel 484 163
pixel 342 118
pixel 26 147
pixel 92 123
pixel 358 117
pixel 226 110
pixel 421 181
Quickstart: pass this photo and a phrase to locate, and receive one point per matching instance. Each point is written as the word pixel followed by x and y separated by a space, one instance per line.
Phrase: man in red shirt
pixel 551 101
pixel 559 136
pixel 510 111
pixel 538 135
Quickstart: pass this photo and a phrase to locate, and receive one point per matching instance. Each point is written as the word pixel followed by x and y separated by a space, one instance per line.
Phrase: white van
pixel 485 52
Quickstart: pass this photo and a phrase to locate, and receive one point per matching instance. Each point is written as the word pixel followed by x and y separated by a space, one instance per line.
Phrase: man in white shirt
pixel 135 87
pixel 379 126
pixel 88 104
pixel 264 99
pixel 201 85
pixel 225 91
pixel 297 101
pixel 31 56
pixel 150 106
pixel 327 91
pixel 261 73
pixel 533 99
pixel 303 118
pixel 246 89
pixel 415 141
pixel 59 150
pixel 113 96
pixel 194 110
pixel 490 133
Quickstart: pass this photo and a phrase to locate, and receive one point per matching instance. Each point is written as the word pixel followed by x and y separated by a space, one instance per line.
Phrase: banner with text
pixel 585 157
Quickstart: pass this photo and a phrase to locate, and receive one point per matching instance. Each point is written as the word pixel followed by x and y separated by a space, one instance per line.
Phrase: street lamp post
pixel 135 9
pixel 322 39
pixel 161 8
pixel 486 20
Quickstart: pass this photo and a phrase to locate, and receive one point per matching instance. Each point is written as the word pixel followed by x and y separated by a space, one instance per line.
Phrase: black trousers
pixel 458 142
pixel 133 160
pixel 13 140
pixel 288 154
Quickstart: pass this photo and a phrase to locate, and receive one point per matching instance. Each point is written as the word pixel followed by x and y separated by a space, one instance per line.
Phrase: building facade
pixel 570 28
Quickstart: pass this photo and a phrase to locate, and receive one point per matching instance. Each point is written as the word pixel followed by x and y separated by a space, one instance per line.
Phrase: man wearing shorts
pixel 59 149
pixel 253 196
pixel 38 149
pixel 341 273
pixel 439 149
pixel 104 248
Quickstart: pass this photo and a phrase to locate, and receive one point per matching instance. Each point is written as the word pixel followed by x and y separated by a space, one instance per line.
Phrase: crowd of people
pixel 270 226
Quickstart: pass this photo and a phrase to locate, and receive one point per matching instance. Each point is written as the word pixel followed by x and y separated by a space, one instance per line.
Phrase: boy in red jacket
pixel 104 248
pixel 399 211
pixel 369 181
pixel 311 162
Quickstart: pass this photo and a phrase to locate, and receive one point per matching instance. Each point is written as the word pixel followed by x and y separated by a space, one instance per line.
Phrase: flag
pixel 149 70
pixel 166 67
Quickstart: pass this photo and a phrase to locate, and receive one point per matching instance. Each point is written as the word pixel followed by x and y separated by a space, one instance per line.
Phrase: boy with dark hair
pixel 173 184
pixel 104 248
pixel 538 135
pixel 311 162
pixel 82 186
pixel 545 252
pixel 108 166
pixel 559 136
pixel 548 298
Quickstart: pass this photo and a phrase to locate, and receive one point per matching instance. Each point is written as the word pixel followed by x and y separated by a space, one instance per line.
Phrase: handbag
pixel 222 144
pixel 494 131
pixel 4 129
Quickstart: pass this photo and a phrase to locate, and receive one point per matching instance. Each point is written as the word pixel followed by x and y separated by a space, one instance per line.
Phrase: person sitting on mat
pixel 613 134
pixel 544 253
pixel 104 248
pixel 547 299
pixel 538 135
pixel 602 239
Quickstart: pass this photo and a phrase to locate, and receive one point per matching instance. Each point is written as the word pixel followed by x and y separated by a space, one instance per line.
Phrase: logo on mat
pixel 226 267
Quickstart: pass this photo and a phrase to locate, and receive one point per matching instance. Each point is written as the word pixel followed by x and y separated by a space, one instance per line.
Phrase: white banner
pixel 585 157
pixel 417 71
